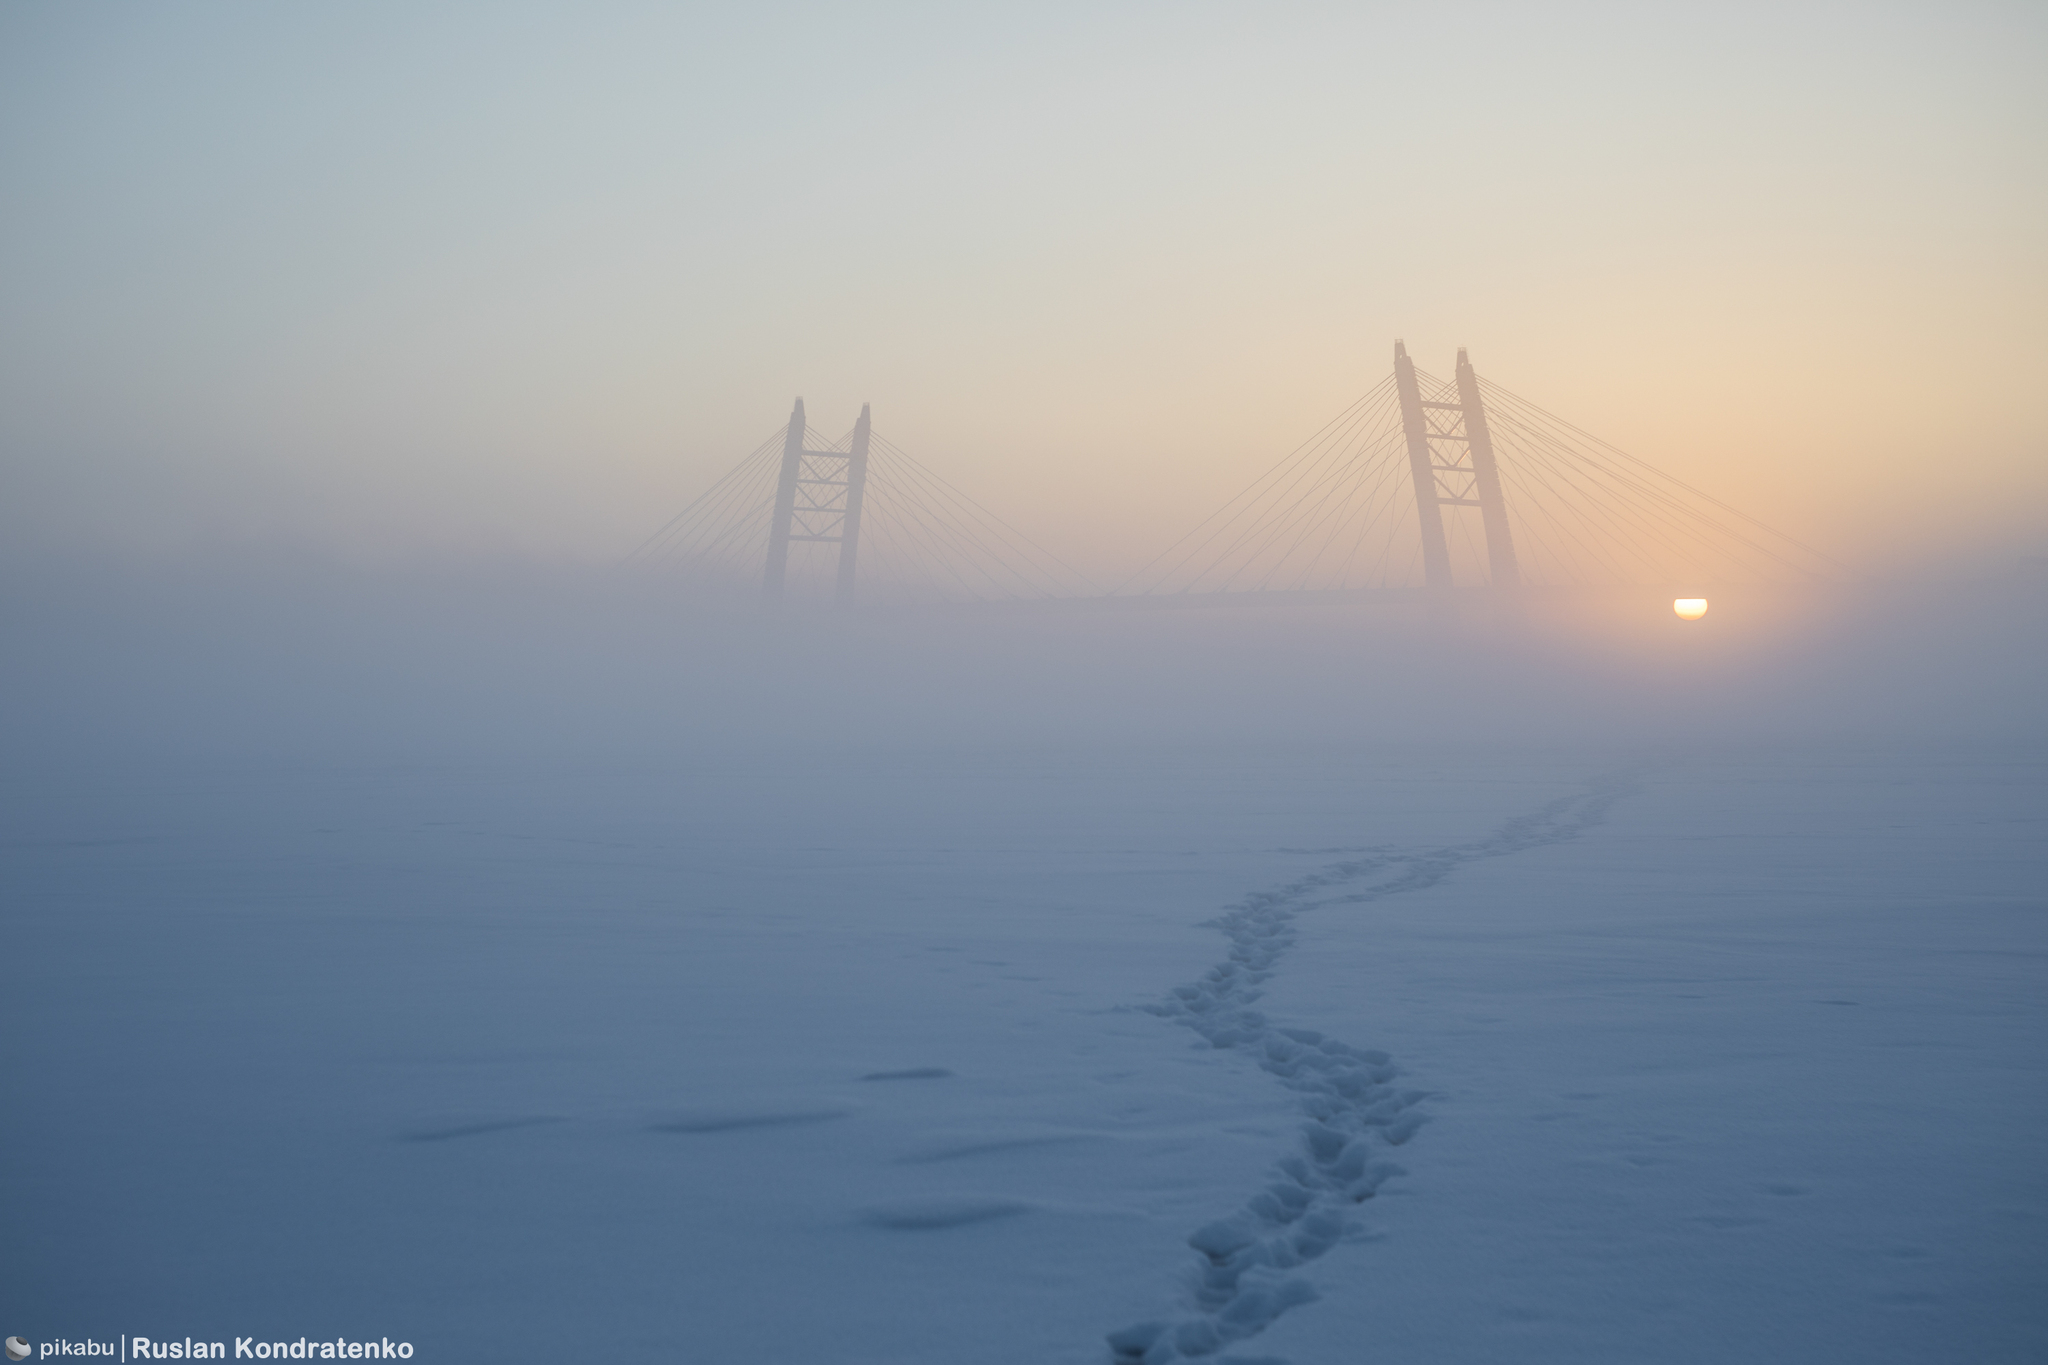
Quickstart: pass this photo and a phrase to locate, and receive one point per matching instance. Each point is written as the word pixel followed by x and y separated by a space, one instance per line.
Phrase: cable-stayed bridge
pixel 850 519
pixel 1422 487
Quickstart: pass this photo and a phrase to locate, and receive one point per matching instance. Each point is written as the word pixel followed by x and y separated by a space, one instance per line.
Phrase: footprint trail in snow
pixel 1240 1283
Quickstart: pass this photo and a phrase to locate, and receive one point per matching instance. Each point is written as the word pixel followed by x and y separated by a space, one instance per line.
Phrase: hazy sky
pixel 411 280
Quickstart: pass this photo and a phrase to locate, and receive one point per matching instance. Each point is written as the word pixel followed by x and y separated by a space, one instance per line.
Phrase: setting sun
pixel 1690 608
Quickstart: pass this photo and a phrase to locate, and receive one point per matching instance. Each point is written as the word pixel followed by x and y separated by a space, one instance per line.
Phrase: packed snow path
pixel 1240 1283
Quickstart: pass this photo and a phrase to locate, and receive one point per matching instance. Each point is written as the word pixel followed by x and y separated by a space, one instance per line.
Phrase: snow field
pixel 887 1063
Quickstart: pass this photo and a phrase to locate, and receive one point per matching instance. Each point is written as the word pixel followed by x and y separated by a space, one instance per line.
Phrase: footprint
pixel 1348 1093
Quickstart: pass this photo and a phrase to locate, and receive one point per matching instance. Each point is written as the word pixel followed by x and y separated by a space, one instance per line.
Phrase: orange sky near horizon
pixel 387 283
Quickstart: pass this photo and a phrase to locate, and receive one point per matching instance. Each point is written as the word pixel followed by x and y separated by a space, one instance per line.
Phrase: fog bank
pixel 247 658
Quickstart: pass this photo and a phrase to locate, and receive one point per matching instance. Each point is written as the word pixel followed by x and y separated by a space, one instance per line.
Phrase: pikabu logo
pixel 17 1349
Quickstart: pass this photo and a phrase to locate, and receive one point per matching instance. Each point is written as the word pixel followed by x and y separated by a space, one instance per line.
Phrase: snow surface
pixel 1527 1057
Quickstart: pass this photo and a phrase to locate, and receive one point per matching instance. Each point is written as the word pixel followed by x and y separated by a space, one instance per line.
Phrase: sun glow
pixel 1690 608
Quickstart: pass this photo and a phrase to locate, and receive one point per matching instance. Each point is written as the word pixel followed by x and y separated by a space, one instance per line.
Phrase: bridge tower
pixel 818 498
pixel 1454 477
pixel 1436 554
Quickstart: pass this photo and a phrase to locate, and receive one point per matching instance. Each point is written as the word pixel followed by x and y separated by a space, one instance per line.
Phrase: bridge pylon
pixel 1436 553
pixel 818 498
pixel 1464 475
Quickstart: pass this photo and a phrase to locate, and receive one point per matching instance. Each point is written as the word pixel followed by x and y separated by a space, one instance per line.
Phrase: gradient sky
pixel 399 281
